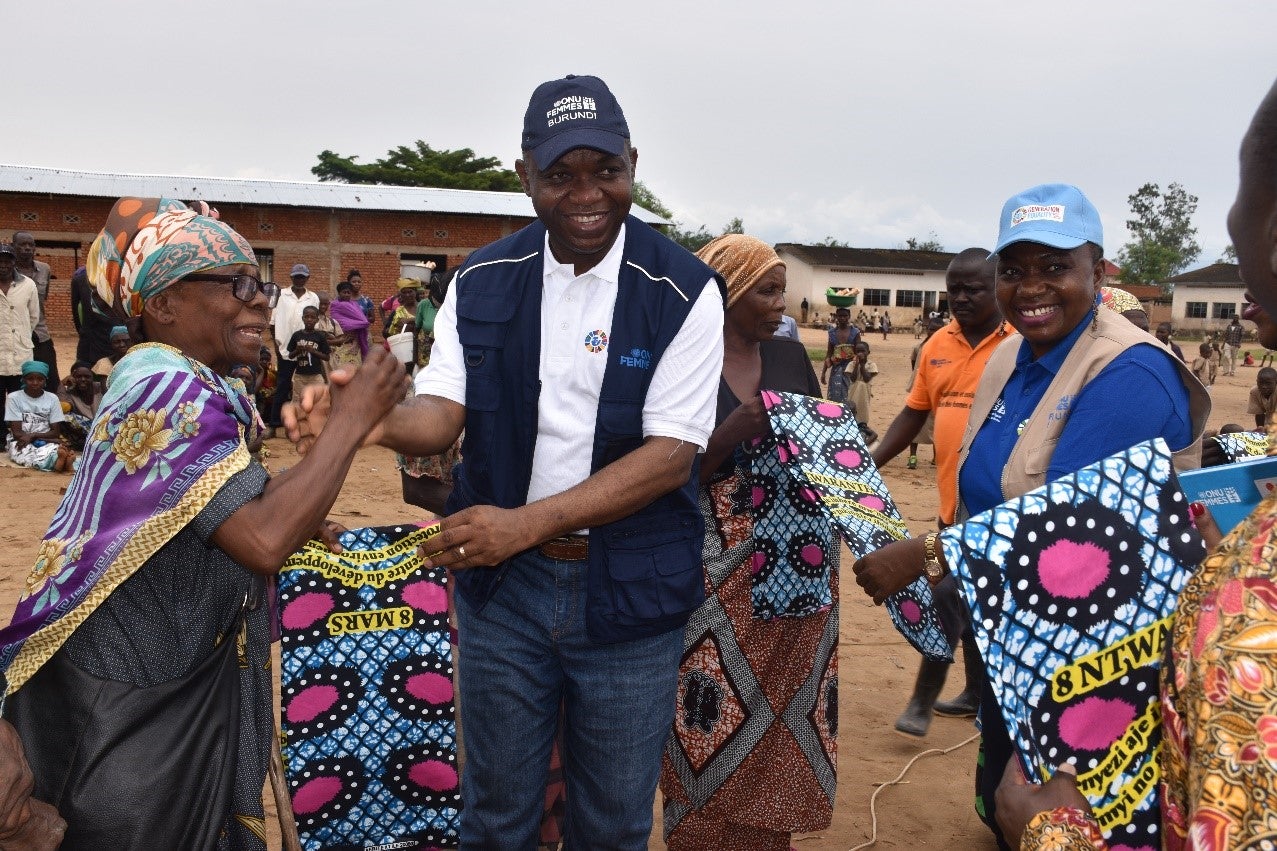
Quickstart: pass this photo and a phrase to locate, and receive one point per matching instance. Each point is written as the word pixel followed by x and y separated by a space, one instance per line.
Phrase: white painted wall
pixel 811 282
pixel 1211 295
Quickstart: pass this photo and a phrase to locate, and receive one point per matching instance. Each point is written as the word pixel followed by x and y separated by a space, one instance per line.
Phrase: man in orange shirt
pixel 949 368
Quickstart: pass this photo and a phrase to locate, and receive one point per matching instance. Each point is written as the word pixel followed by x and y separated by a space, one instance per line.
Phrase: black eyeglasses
pixel 244 287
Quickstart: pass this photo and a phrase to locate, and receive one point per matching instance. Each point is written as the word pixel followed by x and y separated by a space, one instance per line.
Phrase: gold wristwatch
pixel 931 566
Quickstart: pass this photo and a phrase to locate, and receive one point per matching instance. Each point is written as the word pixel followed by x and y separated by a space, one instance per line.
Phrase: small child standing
pixel 860 372
pixel 35 418
pixel 1203 367
pixel 310 347
pixel 1263 397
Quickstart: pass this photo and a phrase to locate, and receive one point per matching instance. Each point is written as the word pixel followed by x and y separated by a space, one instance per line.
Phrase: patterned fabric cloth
pixel 1061 829
pixel 1241 445
pixel 431 466
pixel 1219 699
pixel 793 540
pixel 169 434
pixel 1119 300
pixel 368 713
pixel 833 473
pixel 350 317
pixel 1071 588
pixel 754 753
pixel 149 244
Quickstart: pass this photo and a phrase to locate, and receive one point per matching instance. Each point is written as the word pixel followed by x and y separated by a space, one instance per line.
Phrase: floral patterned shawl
pixel 169 434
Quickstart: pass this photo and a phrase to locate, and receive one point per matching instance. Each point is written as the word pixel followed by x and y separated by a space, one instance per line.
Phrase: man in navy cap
pixel 581 356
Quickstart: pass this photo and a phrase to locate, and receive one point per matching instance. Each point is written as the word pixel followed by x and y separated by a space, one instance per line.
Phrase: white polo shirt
pixel 576 329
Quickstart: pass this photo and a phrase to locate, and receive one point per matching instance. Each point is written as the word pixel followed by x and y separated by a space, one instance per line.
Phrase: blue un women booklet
pixel 1231 491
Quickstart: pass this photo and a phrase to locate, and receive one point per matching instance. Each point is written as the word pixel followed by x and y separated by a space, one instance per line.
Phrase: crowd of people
pixel 602 505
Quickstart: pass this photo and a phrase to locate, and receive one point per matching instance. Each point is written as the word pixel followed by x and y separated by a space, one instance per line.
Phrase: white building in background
pixel 1207 299
pixel 901 282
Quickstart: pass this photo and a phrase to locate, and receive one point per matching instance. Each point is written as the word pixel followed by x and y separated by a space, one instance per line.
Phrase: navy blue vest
pixel 644 574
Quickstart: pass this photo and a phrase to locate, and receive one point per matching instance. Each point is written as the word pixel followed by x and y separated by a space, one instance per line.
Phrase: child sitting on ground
pixel 310 348
pixel 1263 397
pixel 35 420
pixel 1203 367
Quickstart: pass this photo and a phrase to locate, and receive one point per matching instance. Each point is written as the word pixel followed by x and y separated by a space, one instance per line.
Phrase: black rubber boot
pixel 966 704
pixel 916 719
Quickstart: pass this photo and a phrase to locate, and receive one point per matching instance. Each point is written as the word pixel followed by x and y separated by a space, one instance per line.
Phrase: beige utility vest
pixel 1099 344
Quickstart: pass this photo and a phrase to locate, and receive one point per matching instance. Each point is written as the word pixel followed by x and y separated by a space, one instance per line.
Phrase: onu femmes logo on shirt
pixel 637 358
pixel 571 108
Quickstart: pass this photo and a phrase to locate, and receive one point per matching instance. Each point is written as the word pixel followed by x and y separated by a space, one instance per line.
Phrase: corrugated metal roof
pixel 1218 274
pixel 869 258
pixel 277 193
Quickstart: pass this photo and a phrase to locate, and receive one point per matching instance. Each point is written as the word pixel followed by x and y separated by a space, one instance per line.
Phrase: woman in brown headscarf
pixel 753 754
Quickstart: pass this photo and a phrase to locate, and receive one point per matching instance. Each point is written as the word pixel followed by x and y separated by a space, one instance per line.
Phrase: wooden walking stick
pixel 283 803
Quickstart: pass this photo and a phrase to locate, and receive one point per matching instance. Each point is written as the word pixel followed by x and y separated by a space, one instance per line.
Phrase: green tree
pixel 684 235
pixel 931 243
pixel 1229 255
pixel 420 165
pixel 646 199
pixel 830 242
pixel 1164 241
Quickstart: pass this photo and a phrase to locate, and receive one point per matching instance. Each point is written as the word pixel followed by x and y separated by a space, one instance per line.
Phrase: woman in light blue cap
pixel 1076 385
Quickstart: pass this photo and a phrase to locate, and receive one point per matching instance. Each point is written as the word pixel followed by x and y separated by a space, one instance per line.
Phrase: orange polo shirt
pixel 948 372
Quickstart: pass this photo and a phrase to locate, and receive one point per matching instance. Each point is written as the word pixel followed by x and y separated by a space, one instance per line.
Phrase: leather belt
pixel 567 548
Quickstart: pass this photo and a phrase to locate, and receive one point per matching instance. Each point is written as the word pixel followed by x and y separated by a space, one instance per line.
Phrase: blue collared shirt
pixel 1137 397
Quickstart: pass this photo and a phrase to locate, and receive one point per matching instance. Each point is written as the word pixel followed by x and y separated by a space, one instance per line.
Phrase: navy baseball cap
pixel 1054 214
pixel 575 112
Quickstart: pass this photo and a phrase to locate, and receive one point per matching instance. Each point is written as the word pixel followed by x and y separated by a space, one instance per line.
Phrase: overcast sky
pixel 869 122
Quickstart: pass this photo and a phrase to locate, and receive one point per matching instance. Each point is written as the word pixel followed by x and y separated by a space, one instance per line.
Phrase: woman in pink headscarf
pixel 348 314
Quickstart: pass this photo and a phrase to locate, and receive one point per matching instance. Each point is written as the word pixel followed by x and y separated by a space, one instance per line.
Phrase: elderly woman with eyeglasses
pixel 138 660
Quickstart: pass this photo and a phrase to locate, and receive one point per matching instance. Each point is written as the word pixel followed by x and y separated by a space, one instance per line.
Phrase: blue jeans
pixel 525 653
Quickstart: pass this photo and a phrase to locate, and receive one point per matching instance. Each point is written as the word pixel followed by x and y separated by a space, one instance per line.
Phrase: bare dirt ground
pixel 930 809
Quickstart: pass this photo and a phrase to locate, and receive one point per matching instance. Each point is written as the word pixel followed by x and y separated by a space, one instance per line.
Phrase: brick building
pixel 331 227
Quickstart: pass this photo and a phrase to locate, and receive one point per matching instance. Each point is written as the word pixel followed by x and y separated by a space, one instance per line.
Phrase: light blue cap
pixel 1054 214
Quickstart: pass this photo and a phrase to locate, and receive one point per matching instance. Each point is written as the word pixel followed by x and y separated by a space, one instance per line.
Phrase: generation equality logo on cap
pixel 1035 212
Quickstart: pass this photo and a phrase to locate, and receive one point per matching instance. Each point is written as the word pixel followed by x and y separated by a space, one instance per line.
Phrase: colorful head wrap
pixel 119 331
pixel 1119 300
pixel 741 260
pixel 31 366
pixel 149 244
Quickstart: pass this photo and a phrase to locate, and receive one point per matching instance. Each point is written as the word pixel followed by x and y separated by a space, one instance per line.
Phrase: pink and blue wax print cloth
pixel 823 463
pixel 369 723
pixel 1071 589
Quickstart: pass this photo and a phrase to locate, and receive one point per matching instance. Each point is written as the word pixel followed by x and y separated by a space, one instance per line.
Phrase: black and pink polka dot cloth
pixel 824 476
pixel 369 724
pixel 1071 589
